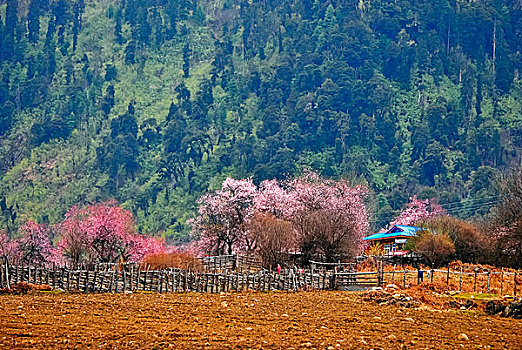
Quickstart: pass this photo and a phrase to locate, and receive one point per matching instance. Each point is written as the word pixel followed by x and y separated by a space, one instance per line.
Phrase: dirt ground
pixel 321 320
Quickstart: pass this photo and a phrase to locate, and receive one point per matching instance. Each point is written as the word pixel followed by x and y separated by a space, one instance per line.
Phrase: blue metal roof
pixel 396 230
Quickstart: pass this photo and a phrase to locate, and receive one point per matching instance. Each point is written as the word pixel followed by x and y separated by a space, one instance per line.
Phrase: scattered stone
pixel 470 304
pixel 494 307
pixel 513 310
pixel 409 319
pixel 306 345
pixel 224 304
pixel 384 297
pixel 463 337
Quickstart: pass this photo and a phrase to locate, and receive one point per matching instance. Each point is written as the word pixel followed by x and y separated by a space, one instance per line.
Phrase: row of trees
pixel 99 233
pixel 322 219
pixel 307 214
pixel 327 219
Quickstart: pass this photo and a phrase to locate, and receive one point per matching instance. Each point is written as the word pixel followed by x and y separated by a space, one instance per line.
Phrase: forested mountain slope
pixel 154 102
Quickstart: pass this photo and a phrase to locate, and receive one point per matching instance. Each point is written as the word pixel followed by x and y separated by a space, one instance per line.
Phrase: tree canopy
pixel 154 103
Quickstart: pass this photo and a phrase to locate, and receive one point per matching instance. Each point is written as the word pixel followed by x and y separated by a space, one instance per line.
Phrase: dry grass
pixel 180 260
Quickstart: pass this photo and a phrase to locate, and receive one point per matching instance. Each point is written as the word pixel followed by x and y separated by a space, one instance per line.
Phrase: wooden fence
pixel 478 281
pixel 114 278
pixel 347 280
pixel 136 277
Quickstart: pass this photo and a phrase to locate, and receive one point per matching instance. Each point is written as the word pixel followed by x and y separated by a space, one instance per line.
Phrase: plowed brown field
pixel 322 320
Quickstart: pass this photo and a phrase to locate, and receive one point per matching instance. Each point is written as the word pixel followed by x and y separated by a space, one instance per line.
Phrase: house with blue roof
pixel 394 239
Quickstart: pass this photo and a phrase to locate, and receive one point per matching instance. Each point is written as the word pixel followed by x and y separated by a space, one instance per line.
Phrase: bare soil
pixel 321 320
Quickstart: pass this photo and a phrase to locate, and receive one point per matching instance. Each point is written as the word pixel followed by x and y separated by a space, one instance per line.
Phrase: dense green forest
pixel 155 102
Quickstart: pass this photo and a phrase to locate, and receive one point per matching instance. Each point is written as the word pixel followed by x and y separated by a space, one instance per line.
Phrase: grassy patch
pixel 477 296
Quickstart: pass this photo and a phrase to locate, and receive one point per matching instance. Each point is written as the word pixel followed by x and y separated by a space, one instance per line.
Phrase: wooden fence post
pixel 475 283
pixel 515 287
pixel 131 275
pixel 160 286
pixel 448 276
pixel 94 278
pixel 145 278
pixel 137 270
pixel 501 280
pixel 489 280
pixel 62 278
pixel 102 279
pixel 404 278
pixel 460 285
pixel 54 276
pixel 124 276
pixel 86 282
pixel 114 282
pixel 68 279
pixel 7 273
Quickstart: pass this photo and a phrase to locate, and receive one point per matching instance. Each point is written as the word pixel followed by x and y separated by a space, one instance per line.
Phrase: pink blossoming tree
pixel 8 247
pixel 224 216
pixel 329 216
pixel 418 210
pixel 273 199
pixel 103 233
pixel 35 245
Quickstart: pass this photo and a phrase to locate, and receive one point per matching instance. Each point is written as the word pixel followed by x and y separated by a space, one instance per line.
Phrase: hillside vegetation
pixel 154 103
